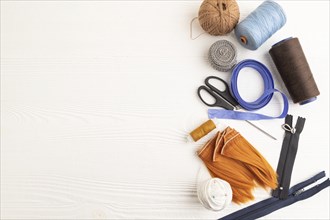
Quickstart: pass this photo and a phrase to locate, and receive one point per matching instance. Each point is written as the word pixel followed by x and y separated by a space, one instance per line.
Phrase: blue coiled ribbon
pixel 263 100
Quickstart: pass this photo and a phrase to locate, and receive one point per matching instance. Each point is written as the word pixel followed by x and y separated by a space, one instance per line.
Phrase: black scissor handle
pixel 219 101
pixel 207 82
pixel 224 93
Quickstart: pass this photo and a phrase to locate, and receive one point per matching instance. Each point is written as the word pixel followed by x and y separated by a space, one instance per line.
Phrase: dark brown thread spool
pixel 291 63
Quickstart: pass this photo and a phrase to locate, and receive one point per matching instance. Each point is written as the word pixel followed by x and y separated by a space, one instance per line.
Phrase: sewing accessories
pixel 284 196
pixel 295 72
pixel 263 100
pixel 296 194
pixel 215 194
pixel 202 130
pixel 230 157
pixel 222 55
pixel 288 155
pixel 218 17
pixel 260 25
pixel 223 99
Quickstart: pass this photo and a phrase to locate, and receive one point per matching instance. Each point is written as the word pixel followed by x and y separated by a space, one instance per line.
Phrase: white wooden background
pixel 97 98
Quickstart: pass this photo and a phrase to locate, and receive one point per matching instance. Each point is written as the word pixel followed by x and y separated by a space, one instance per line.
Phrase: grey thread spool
pixel 222 55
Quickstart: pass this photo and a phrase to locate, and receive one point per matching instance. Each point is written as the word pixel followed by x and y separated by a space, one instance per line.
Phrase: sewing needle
pixel 269 135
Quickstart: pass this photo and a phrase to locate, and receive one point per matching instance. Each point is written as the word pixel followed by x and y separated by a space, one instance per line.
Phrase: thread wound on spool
pixel 295 72
pixel 218 17
pixel 222 55
pixel 260 25
pixel 202 130
pixel 243 39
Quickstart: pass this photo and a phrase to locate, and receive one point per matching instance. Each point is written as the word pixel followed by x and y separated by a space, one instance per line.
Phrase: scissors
pixel 223 98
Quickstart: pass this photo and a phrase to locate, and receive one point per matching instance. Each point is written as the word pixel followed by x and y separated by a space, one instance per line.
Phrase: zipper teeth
pixel 308 182
pixel 285 163
pixel 275 203
pixel 286 176
pixel 313 190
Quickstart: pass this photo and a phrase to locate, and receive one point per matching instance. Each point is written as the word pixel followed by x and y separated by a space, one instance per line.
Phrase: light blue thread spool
pixel 260 25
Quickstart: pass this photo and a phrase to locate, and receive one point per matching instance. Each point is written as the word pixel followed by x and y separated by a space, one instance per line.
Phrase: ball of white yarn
pixel 215 194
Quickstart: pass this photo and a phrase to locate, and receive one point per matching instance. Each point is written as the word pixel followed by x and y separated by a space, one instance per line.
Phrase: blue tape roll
pixel 268 85
pixel 263 100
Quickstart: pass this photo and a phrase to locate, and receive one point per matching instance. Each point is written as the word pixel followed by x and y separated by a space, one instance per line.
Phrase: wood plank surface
pixel 97 98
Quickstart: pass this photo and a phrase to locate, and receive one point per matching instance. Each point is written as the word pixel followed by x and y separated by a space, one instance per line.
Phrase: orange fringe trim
pixel 229 156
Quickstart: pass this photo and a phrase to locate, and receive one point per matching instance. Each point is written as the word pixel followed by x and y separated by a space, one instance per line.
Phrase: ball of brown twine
pixel 218 17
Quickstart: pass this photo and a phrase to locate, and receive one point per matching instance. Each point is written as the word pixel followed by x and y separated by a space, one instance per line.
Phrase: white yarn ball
pixel 215 194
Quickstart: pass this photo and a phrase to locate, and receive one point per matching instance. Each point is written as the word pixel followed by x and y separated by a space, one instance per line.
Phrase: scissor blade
pixel 229 98
pixel 222 102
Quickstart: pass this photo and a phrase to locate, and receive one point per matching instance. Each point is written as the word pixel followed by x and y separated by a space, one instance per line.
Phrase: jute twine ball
pixel 218 17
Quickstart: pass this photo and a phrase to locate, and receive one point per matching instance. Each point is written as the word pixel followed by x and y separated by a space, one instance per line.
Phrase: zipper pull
pixel 287 127
pixel 298 192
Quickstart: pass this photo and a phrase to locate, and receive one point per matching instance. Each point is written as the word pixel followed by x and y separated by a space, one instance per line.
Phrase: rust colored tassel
pixel 229 156
pixel 238 148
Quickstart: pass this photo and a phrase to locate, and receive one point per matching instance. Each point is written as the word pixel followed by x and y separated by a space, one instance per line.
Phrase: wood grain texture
pixel 97 99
